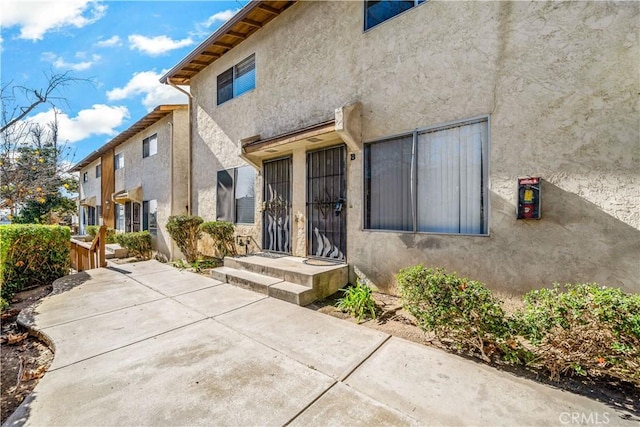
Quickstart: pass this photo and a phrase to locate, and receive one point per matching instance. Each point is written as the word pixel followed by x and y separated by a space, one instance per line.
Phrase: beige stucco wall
pixel 91 188
pixel 558 80
pixel 153 173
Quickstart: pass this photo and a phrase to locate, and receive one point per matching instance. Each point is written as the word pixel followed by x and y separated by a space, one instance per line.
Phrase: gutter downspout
pixel 171 212
pixel 189 163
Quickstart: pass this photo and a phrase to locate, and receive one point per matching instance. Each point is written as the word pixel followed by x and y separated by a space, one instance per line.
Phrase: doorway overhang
pixel 130 195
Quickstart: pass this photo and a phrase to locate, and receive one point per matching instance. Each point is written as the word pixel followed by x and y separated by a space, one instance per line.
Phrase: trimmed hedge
pixel 222 234
pixel 185 231
pixel 32 255
pixel 92 230
pixel 138 243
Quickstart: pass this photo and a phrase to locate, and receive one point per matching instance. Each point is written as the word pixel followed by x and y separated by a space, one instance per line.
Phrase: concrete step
pixel 245 279
pixel 294 270
pixel 293 293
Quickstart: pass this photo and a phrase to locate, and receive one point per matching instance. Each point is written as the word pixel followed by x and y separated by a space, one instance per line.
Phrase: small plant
pixel 358 302
pixel 203 263
pixel 180 264
pixel 462 313
pixel 222 234
pixel 92 230
pixel 138 243
pixel 185 231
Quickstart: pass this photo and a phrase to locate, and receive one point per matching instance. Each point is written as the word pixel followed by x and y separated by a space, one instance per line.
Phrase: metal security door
pixel 276 215
pixel 326 196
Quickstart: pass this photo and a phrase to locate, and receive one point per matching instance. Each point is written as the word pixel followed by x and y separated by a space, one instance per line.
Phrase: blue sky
pixel 123 47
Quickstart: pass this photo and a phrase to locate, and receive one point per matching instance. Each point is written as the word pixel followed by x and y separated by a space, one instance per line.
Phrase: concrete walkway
pixel 151 345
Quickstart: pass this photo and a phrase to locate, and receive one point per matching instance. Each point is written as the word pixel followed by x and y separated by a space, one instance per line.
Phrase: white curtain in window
pixel 450 179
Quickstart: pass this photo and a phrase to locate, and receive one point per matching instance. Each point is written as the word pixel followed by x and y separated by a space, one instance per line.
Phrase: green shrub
pixel 32 255
pixel 222 234
pixel 358 302
pixel 587 329
pixel 185 231
pixel 92 230
pixel 137 243
pixel 461 312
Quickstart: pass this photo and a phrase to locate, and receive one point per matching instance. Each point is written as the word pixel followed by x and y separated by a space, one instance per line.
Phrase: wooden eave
pixel 310 134
pixel 255 15
pixel 154 116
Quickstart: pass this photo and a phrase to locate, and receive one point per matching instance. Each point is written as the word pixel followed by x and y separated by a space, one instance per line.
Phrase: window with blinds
pixel 237 80
pixel 432 180
pixel 379 11
pixel 235 191
pixel 150 146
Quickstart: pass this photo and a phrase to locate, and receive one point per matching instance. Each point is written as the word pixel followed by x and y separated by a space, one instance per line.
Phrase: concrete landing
pixel 292 279
pixel 133 347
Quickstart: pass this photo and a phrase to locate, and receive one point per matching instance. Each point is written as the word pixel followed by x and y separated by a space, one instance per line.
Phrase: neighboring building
pixel 389 134
pixel 139 178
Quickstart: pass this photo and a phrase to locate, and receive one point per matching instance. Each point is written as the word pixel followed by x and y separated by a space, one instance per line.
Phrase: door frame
pixel 272 203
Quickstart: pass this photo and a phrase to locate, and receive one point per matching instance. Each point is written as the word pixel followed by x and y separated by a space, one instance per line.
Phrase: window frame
pixel 147 146
pixel 416 3
pixel 85 176
pixel 99 170
pixel 233 173
pixel 414 185
pixel 234 76
pixel 116 161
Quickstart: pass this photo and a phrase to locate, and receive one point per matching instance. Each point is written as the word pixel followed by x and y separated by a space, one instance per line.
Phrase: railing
pixel 85 256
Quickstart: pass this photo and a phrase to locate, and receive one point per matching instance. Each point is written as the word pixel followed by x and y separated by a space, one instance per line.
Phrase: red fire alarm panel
pixel 529 198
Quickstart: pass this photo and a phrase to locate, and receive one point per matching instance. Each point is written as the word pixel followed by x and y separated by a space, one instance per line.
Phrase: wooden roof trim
pixel 296 135
pixel 154 116
pixel 242 25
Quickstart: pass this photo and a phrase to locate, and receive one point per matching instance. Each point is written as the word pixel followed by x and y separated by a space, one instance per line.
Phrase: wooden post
pixel 102 258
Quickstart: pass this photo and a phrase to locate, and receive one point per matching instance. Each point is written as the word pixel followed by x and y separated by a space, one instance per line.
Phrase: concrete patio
pixel 147 344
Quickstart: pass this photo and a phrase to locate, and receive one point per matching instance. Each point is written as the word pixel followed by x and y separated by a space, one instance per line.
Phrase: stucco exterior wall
pixel 91 188
pixel 153 173
pixel 558 80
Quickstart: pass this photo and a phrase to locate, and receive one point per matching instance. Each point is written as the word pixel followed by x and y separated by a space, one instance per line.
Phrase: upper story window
pixel 237 80
pixel 85 177
pixel 118 161
pixel 376 12
pixel 98 171
pixel 150 146
pixel 433 180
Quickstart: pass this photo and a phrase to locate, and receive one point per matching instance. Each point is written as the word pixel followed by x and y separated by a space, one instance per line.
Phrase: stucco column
pixel 298 203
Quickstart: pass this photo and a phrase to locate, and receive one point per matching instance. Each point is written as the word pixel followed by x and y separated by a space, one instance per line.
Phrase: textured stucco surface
pixel 154 172
pixel 91 188
pixel 558 80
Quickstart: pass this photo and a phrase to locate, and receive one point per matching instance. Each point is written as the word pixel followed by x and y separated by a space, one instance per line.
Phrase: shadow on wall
pixel 574 241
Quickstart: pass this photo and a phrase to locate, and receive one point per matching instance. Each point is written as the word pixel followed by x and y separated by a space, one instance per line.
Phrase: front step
pixel 287 278
pixel 273 287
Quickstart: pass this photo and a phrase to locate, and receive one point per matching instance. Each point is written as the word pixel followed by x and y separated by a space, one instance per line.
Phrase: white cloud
pixel 60 63
pixel 36 18
pixel 100 119
pixel 157 45
pixel 111 42
pixel 220 17
pixel 147 84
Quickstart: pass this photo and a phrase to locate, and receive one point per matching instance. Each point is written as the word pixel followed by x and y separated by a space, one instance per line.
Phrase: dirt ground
pixel 23 359
pixel 393 320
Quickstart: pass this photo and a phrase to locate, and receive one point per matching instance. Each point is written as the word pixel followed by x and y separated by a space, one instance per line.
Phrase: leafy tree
pixel 33 180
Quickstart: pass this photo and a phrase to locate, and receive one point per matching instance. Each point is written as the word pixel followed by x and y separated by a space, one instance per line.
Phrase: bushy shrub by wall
pixel 32 255
pixel 92 230
pixel 462 313
pixel 585 329
pixel 185 231
pixel 137 243
pixel 222 234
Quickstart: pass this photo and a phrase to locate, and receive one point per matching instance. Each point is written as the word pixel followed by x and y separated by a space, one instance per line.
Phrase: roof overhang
pixel 253 16
pixel 89 201
pixel 130 195
pixel 158 113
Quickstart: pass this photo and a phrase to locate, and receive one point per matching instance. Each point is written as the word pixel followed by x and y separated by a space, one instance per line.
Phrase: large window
pixel 150 216
pixel 237 80
pixel 118 161
pixel 236 195
pixel 376 12
pixel 434 180
pixel 98 171
pixel 149 146
pixel 119 216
